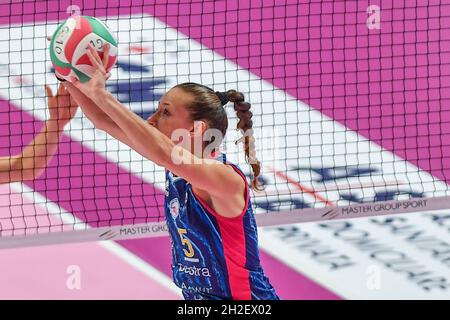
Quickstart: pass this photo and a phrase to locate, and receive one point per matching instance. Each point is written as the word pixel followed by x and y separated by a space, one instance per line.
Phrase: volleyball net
pixel 350 103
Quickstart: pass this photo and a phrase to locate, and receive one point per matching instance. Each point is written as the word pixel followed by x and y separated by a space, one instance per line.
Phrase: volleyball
pixel 68 47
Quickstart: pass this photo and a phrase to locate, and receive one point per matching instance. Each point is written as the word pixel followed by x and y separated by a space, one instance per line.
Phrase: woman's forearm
pixel 147 140
pixel 102 121
pixel 34 158
pixel 97 116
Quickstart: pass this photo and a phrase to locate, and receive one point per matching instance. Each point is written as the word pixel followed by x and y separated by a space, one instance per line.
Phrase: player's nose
pixel 153 120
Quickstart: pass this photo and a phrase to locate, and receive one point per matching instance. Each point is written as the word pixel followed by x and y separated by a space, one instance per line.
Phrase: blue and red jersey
pixel 214 257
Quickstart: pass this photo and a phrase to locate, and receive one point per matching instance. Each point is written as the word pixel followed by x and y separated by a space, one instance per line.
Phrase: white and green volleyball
pixel 69 46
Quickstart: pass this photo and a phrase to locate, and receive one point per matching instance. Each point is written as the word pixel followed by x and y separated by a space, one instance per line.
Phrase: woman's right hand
pixel 97 84
pixel 104 60
pixel 80 97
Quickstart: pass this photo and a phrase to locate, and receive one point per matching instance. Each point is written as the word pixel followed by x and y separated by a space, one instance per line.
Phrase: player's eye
pixel 166 112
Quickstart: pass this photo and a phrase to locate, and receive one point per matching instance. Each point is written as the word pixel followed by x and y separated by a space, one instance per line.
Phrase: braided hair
pixel 208 105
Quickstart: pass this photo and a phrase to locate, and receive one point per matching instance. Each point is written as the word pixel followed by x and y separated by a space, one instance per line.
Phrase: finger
pixel 98 66
pixel 73 91
pixel 95 54
pixel 48 91
pixel 75 82
pixel 61 90
pixel 76 95
pixel 91 57
pixel 98 73
pixel 73 103
pixel 67 85
pixel 105 55
pixel 95 63
pixel 108 75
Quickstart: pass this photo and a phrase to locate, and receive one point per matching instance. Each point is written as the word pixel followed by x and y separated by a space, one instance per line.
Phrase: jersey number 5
pixel 185 241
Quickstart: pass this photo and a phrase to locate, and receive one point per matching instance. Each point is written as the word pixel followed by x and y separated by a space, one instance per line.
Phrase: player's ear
pixel 199 128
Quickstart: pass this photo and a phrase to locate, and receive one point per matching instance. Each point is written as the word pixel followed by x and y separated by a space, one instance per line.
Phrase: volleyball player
pixel 35 156
pixel 207 201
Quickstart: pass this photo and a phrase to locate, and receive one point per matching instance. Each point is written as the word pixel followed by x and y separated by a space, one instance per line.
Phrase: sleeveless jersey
pixel 214 257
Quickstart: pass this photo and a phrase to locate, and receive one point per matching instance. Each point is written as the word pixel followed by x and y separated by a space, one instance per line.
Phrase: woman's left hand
pixel 62 107
pixel 97 83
